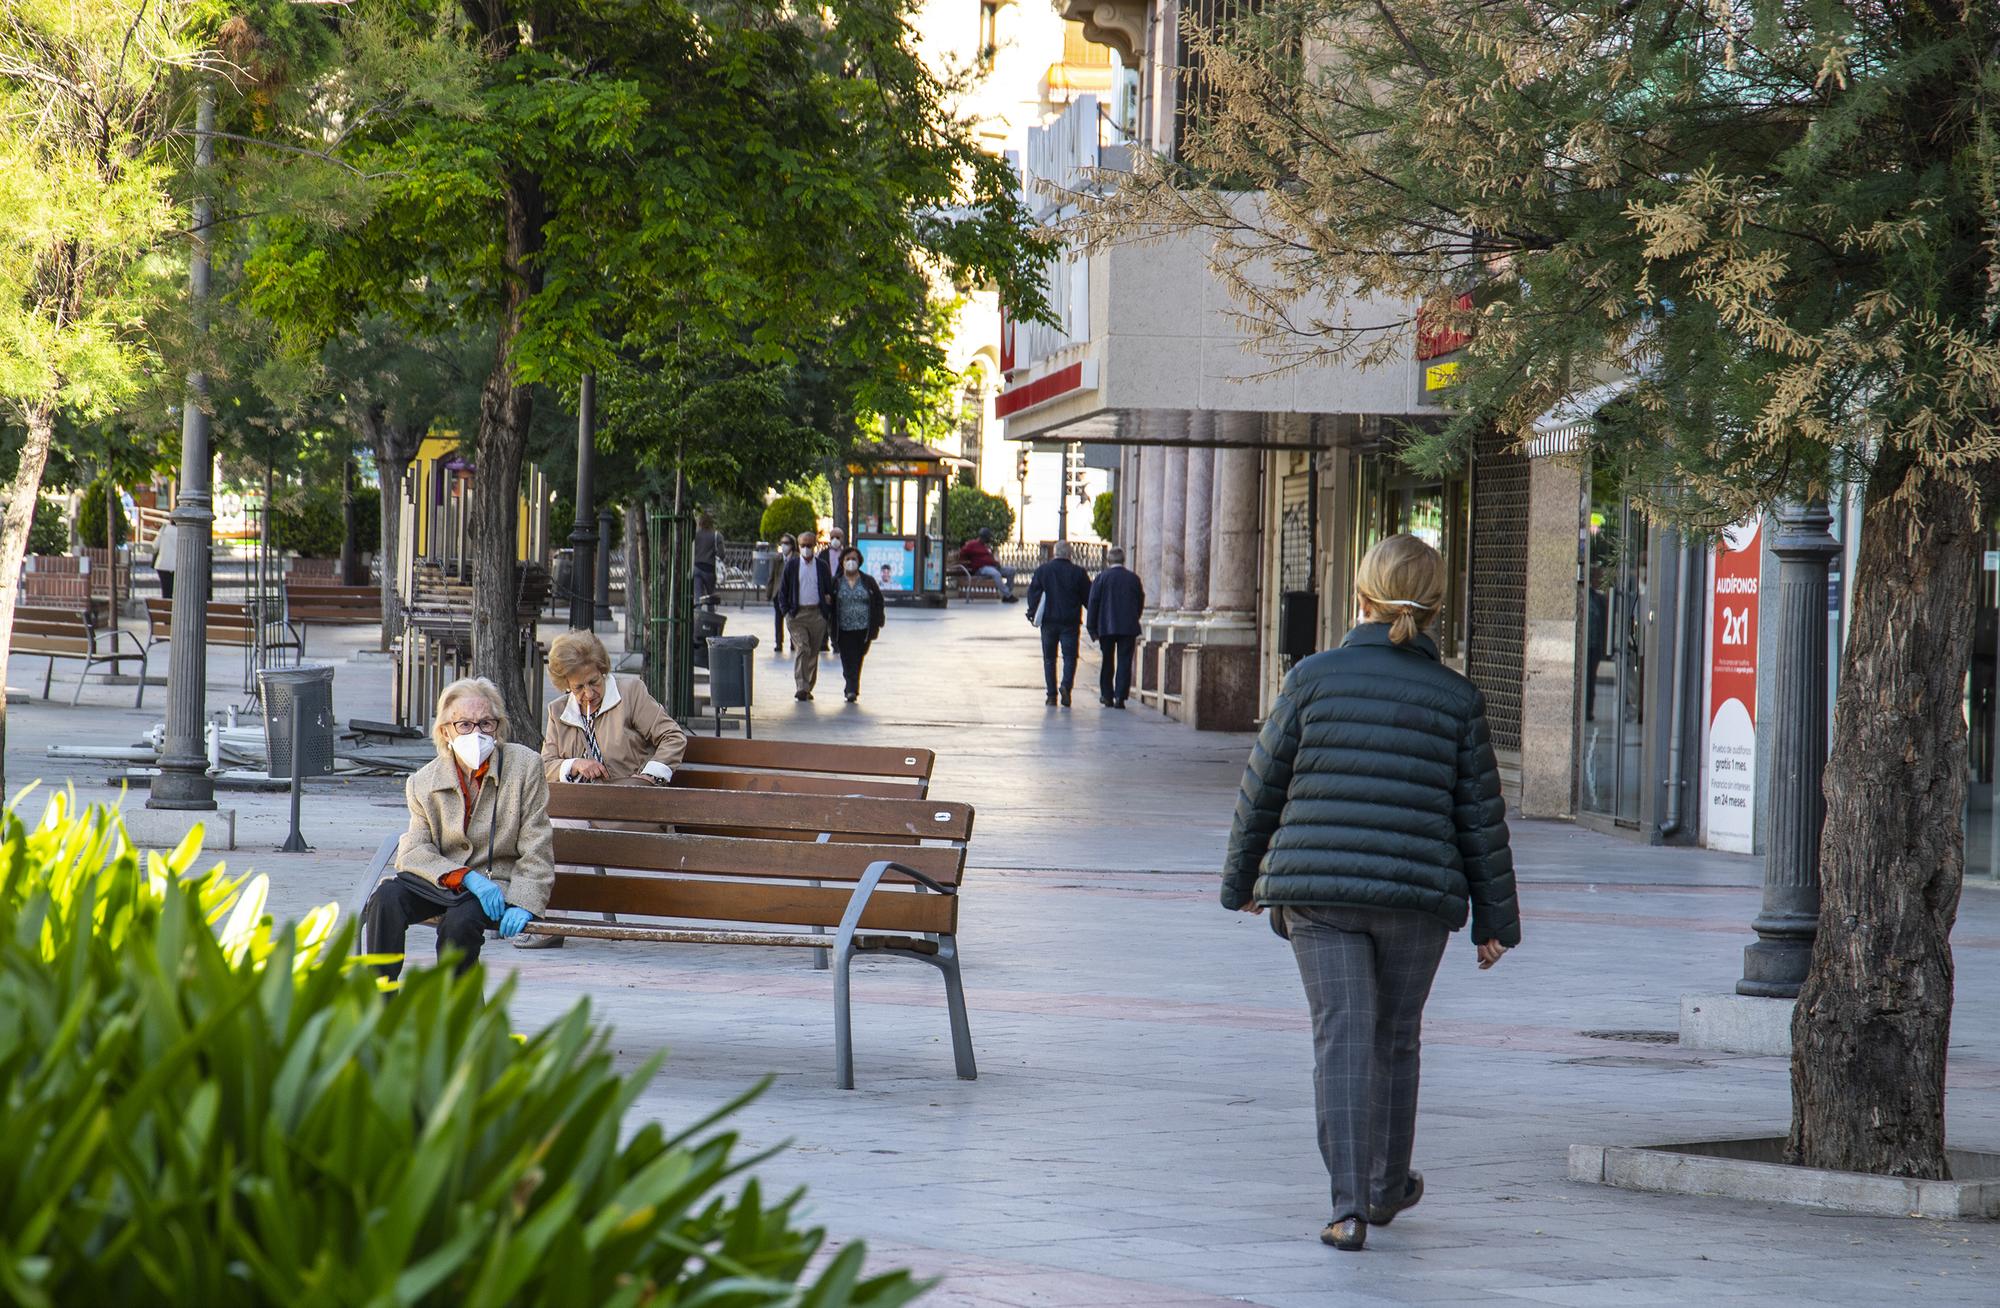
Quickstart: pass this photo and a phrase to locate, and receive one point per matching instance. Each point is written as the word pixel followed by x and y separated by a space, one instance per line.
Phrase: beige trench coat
pixel 634 734
pixel 509 839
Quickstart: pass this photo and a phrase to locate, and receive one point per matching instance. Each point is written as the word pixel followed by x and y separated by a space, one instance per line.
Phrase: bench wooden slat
pixel 806 756
pixel 562 926
pixel 809 815
pixel 32 643
pixel 724 901
pixel 702 778
pixel 721 856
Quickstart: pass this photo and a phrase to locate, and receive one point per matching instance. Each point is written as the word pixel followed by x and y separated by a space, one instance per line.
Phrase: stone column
pixel 1775 966
pixel 1173 529
pixel 1219 683
pixel 1236 517
pixel 1198 526
pixel 1552 633
pixel 1152 467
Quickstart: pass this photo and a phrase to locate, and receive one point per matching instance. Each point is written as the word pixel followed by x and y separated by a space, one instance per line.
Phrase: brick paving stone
pixel 1141 1132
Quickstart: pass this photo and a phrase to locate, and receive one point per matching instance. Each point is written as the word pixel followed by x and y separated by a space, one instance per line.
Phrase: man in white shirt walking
pixel 805 597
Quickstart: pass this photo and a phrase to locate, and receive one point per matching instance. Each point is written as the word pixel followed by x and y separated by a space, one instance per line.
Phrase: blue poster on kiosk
pixel 891 560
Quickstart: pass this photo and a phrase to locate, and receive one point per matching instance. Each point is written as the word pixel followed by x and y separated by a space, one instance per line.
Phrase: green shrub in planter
pixel 49 532
pixel 203 1108
pixel 972 508
pixel 1104 515
pixel 787 513
pixel 310 522
pixel 97 499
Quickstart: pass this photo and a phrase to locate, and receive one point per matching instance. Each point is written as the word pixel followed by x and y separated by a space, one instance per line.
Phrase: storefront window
pixel 1390 500
pixel 1618 581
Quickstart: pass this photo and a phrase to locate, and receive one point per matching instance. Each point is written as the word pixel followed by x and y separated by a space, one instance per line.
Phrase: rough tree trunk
pixel 19 517
pixel 1869 1033
pixel 505 408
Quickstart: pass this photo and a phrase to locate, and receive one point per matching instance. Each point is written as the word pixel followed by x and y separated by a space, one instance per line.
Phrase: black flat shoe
pixel 1050 701
pixel 1065 699
pixel 1412 1192
pixel 1348 1234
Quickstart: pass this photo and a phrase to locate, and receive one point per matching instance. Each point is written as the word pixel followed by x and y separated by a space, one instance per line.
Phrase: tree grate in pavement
pixel 1635 1037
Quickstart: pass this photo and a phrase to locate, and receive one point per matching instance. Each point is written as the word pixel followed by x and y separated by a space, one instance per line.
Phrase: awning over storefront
pixel 1561 430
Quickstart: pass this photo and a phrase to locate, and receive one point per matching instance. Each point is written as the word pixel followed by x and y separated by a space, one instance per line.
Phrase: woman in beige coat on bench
pixel 602 730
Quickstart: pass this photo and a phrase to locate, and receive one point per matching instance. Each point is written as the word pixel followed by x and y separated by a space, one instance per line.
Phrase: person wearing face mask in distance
pixel 478 854
pixel 836 549
pixel 805 597
pixel 787 545
pixel 858 614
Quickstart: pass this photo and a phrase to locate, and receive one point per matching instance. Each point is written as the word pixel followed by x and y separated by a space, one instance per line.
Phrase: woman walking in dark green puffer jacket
pixel 1371 823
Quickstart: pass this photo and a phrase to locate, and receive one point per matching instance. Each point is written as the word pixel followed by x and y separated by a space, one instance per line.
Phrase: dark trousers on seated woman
pixel 397 905
pixel 853 648
pixel 1367 973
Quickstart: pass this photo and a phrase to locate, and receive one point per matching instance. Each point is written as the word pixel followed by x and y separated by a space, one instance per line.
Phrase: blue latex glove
pixel 513 920
pixel 491 897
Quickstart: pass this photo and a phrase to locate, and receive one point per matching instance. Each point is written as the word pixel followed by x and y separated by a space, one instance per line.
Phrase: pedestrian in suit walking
pixel 1117 598
pixel 805 597
pixel 1056 596
pixel 787 544
pixel 1370 822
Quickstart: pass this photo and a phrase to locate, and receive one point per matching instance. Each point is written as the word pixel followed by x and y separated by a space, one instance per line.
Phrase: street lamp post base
pixel 1775 969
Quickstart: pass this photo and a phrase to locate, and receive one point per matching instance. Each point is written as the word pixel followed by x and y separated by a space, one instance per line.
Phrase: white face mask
pixel 472 750
pixel 852 565
pixel 805 551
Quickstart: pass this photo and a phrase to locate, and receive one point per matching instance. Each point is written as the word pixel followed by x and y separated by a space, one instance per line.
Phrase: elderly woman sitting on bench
pixel 477 856
pixel 606 728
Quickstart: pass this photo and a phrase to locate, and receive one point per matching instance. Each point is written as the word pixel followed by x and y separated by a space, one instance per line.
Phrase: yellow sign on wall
pixel 1440 376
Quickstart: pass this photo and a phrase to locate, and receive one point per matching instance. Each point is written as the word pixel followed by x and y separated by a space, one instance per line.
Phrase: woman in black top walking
pixel 1371 823
pixel 858 615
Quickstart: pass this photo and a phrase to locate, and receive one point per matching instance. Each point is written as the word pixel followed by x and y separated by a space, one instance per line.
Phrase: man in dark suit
pixel 1116 600
pixel 1056 596
pixel 805 598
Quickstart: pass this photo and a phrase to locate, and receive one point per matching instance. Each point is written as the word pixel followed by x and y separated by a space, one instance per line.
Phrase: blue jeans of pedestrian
pixel 1052 638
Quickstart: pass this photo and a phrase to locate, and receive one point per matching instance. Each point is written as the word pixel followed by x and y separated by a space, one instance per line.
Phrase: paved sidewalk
pixel 1141 1132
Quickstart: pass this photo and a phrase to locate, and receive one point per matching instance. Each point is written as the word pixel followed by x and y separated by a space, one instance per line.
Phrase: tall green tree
pixel 88 116
pixel 626 174
pixel 1781 219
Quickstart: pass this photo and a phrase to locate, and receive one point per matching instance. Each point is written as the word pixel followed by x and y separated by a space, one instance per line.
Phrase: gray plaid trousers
pixel 1367 973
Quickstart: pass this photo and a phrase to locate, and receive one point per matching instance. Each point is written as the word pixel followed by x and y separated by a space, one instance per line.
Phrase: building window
pixel 989 31
pixel 972 428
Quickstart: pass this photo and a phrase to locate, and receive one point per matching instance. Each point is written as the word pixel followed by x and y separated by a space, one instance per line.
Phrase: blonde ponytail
pixel 1401 582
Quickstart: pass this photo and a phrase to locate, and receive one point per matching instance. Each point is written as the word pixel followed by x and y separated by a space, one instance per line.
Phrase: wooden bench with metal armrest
pixel 805 768
pixel 862 875
pixel 63 633
pixel 329 604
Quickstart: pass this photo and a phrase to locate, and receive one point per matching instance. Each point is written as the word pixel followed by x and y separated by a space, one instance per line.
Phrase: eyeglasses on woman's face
pixel 466 726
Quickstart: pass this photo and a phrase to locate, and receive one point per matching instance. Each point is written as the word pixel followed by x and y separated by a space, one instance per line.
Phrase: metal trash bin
pixel 311 685
pixel 761 565
pixel 730 670
pixel 708 624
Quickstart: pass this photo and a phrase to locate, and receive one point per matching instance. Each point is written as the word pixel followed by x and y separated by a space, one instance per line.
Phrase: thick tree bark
pixel 1869 1033
pixel 505 408
pixel 22 495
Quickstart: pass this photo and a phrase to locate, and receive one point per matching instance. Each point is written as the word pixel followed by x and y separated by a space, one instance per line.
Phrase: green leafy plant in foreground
pixel 204 1108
